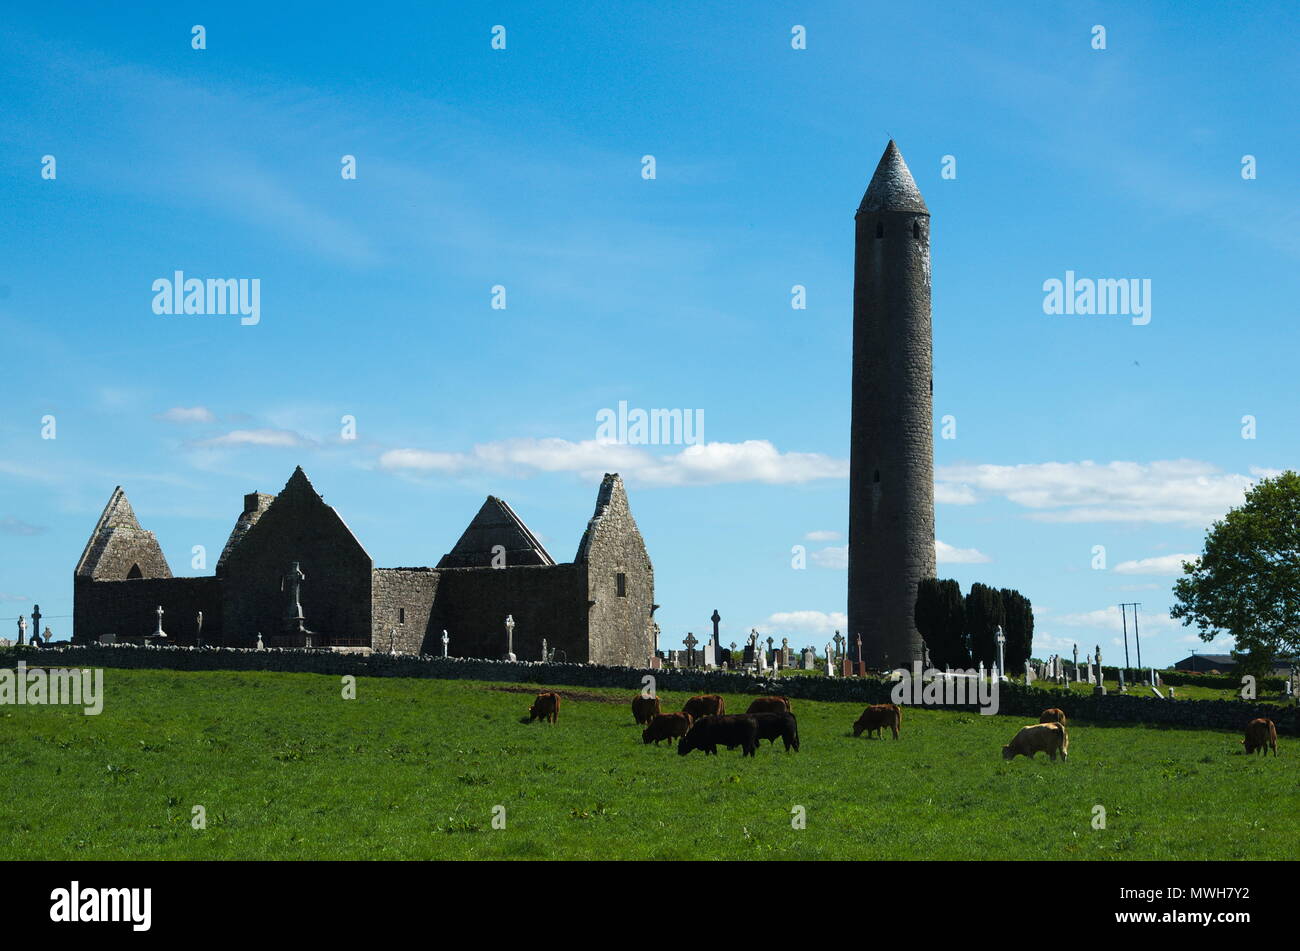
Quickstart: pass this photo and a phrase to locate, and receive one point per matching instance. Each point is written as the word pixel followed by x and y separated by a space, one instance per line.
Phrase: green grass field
pixel 287 769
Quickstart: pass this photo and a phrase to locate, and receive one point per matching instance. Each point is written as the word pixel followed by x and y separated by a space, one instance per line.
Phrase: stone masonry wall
pixel 403 600
pixel 546 601
pixel 1015 701
pixel 129 608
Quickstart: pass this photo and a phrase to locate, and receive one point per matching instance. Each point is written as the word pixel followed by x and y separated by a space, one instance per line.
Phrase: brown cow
pixel 545 707
pixel 876 717
pixel 708 705
pixel 666 726
pixel 1049 738
pixel 645 709
pixel 1261 736
pixel 769 705
pixel 1053 715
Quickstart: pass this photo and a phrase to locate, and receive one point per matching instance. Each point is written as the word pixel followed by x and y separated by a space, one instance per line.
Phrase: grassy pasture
pixel 285 768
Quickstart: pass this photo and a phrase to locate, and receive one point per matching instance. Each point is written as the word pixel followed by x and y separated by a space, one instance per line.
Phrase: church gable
pixel 119 548
pixel 496 532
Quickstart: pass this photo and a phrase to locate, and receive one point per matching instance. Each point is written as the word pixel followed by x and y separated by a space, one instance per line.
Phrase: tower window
pixel 916 230
pixel 401 615
pixel 620 582
pixel 876 477
pixel 880 229
pixel 135 572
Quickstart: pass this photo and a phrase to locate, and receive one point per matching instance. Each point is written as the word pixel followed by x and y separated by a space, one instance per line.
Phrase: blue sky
pixel 522 168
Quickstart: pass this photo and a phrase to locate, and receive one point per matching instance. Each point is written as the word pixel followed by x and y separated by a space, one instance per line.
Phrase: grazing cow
pixel 1053 715
pixel 783 725
pixel 545 707
pixel 707 733
pixel 708 705
pixel 645 709
pixel 878 716
pixel 769 705
pixel 1049 738
pixel 1261 736
pixel 666 726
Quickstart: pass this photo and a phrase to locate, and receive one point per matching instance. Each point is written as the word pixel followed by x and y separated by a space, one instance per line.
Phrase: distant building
pixel 1204 663
pixel 1225 664
pixel 597 608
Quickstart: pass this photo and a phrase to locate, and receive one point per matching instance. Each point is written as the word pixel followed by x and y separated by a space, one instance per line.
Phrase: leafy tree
pixel 1247 581
pixel 984 613
pixel 1018 628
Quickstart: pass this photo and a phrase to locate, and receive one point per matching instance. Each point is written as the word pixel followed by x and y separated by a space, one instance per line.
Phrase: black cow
pixel 782 725
pixel 710 732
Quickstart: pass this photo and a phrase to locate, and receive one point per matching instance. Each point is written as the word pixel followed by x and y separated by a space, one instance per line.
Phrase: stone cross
pixel 198 629
pixel 1076 661
pixel 859 648
pixel 716 619
pixel 36 619
pixel 159 632
pixel 392 640
pixel 22 630
pixel 260 646
pixel 830 661
pixel 770 641
pixel 293 581
pixel 785 650
pixel 839 643
pixel 544 649
pixel 446 639
pixel 690 641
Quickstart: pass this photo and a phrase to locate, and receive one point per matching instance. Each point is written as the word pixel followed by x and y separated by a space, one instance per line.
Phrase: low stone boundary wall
pixel 1013 699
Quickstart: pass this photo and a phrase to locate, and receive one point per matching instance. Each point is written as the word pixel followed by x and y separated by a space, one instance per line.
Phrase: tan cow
pixel 666 726
pixel 708 705
pixel 769 705
pixel 545 707
pixel 1053 715
pixel 645 709
pixel 1261 736
pixel 1049 738
pixel 876 717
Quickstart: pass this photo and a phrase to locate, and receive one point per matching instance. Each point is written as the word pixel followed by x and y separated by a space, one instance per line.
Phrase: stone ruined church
pixel 596 609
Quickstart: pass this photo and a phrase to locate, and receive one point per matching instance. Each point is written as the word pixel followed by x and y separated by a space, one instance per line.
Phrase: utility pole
pixel 1123 614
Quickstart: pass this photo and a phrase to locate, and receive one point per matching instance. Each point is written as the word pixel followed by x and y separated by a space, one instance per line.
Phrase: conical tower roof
pixel 892 187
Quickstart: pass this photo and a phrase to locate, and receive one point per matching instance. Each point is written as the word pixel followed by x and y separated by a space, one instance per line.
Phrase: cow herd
pixel 703 724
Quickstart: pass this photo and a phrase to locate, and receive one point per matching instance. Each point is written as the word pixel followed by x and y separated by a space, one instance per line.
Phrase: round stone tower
pixel 891 469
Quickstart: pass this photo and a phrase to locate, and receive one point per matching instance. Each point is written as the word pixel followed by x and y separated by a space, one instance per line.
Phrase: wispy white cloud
pixel 1159 565
pixel 822 536
pixel 186 414
pixel 836 556
pixel 13 526
pixel 713 463
pixel 1182 491
pixel 810 623
pixel 258 438
pixel 946 554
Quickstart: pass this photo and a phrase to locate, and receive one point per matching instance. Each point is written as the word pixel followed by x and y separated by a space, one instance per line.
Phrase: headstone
pixel 22 630
pixel 545 656
pixel 846 667
pixel 710 658
pixel 1029 674
pixel 830 662
pixel 260 646
pixel 446 639
pixel 198 630
pixel 762 661
pixel 656 663
pixel 785 652
pixel 809 659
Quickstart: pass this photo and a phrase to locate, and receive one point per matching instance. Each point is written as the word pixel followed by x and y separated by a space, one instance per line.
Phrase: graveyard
pixel 283 767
